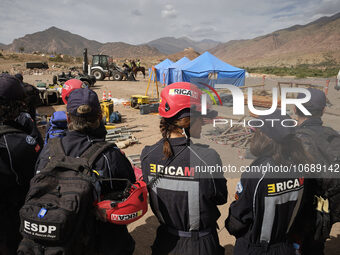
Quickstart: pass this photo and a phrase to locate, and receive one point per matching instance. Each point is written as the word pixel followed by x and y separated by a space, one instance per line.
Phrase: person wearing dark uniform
pixel 85 128
pixel 32 98
pixel 27 117
pixel 262 218
pixel 183 200
pixel 315 138
pixel 19 152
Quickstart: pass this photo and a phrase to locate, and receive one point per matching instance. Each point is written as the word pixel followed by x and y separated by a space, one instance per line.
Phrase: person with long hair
pixel 268 202
pixel 18 155
pixel 183 200
pixel 323 143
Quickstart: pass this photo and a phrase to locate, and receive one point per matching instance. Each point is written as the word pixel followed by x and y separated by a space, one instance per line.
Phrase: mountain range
pixel 297 44
pixel 171 45
pixel 300 43
pixel 55 40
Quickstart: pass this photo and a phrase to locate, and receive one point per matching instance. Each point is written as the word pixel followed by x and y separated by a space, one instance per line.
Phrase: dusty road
pixel 143 230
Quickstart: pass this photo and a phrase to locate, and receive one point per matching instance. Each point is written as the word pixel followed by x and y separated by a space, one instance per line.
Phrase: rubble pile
pixel 236 136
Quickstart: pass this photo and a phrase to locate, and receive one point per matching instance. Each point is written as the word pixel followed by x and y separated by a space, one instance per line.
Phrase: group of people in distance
pixel 272 213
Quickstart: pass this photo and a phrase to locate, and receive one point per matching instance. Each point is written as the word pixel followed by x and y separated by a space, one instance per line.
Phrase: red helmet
pixel 179 96
pixel 69 86
pixel 128 210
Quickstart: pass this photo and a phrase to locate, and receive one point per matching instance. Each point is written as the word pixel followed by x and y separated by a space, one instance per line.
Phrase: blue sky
pixel 140 21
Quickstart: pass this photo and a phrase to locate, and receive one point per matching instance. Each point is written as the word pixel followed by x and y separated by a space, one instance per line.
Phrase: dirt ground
pixel 143 230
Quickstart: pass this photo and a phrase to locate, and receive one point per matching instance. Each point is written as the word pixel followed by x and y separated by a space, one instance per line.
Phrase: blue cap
pixel 83 102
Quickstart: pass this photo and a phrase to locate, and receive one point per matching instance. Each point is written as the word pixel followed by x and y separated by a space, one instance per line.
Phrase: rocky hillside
pixel 55 40
pixel 124 50
pixel 297 44
pixel 190 53
pixel 171 45
pixel 3 46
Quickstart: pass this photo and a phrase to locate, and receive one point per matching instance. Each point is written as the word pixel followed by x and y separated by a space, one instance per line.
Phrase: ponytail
pixel 165 130
pixel 290 151
pixel 169 126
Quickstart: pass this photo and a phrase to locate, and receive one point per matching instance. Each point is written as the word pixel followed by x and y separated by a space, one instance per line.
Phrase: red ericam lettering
pixel 301 181
pixel 189 171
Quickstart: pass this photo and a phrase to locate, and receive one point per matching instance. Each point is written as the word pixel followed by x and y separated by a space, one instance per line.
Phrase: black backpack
pixel 326 151
pixel 6 129
pixel 57 217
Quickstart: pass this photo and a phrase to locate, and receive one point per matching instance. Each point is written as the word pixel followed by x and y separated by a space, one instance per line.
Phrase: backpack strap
pixel 60 159
pixel 56 148
pixel 4 129
pixel 94 151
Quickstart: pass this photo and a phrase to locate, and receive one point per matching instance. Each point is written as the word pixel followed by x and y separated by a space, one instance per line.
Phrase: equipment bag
pixel 115 117
pixel 57 216
pixel 57 125
pixel 6 182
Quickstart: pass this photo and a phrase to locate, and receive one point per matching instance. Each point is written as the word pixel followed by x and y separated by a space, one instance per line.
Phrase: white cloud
pixel 169 11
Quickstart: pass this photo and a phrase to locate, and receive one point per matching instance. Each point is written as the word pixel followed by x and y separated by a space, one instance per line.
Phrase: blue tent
pixel 162 71
pixel 175 71
pixel 209 69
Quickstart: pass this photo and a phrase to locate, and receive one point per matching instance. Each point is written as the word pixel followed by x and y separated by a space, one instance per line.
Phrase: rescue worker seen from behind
pixel 263 216
pixel 323 143
pixel 85 127
pixel 27 117
pixel 19 152
pixel 184 201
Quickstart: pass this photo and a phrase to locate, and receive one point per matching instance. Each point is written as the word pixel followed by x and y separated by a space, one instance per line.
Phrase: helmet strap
pixel 184 133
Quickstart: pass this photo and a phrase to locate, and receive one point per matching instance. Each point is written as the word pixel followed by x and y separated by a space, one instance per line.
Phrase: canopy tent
pixel 175 71
pixel 209 69
pixel 162 71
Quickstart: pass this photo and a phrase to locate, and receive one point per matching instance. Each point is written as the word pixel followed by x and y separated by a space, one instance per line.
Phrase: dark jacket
pixel 264 212
pixel 32 98
pixel 183 198
pixel 315 139
pixel 110 238
pixel 315 125
pixel 18 155
pixel 30 127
